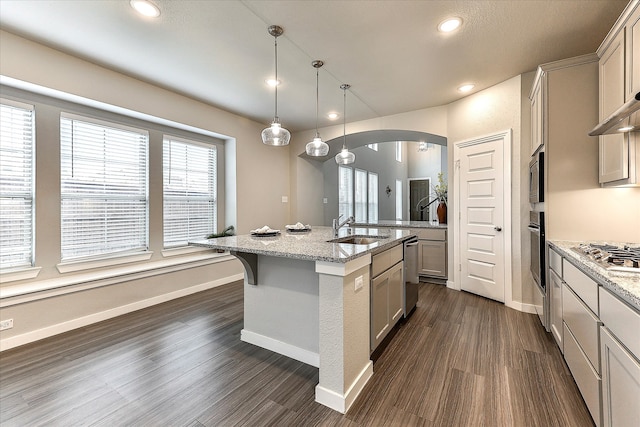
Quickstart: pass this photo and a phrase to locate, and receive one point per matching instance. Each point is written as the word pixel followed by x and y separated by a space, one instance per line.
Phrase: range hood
pixel 624 119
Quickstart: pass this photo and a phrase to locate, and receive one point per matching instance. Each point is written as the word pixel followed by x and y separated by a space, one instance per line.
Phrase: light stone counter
pixel 400 224
pixel 624 285
pixel 312 245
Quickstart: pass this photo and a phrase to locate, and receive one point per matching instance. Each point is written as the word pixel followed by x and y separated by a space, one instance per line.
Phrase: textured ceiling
pixel 390 52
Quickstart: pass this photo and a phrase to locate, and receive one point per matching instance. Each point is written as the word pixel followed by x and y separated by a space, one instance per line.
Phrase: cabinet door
pixel 432 258
pixel 633 54
pixel 396 292
pixel 556 308
pixel 379 309
pixel 614 149
pixel 620 384
pixel 537 123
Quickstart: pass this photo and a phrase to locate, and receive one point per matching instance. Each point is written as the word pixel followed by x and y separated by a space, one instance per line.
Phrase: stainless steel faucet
pixel 338 225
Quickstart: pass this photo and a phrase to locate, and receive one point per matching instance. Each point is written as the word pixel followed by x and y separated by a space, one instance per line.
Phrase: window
pixel 399 199
pixel 103 187
pixel 16 184
pixel 374 146
pixel 398 151
pixel 361 196
pixel 189 195
pixel 373 197
pixel 345 192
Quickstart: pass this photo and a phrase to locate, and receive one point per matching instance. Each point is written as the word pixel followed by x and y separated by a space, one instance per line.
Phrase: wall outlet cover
pixel 6 324
pixel 359 282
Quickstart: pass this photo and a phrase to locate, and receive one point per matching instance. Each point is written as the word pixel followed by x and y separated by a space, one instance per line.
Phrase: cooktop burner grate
pixel 612 257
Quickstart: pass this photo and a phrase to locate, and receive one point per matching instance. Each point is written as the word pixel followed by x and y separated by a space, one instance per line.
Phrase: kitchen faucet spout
pixel 337 225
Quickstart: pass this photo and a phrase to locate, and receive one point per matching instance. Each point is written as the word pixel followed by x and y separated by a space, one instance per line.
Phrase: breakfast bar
pixel 307 296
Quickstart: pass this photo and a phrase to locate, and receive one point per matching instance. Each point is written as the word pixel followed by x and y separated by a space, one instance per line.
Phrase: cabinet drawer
pixel 385 260
pixel 432 233
pixel 583 325
pixel 555 262
pixel 621 320
pixel 581 284
pixel 586 378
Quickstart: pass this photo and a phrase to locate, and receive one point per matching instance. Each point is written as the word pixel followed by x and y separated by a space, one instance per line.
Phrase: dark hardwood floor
pixel 460 360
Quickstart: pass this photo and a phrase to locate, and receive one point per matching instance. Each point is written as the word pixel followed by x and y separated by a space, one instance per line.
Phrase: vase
pixel 442 213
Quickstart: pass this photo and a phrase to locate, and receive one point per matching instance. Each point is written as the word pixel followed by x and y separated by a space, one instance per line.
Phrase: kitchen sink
pixel 358 240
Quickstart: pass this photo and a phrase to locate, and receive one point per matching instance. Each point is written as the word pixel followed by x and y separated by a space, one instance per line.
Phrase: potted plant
pixel 440 193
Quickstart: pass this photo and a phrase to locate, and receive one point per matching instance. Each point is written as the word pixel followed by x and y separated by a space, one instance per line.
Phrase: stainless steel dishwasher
pixel 411 280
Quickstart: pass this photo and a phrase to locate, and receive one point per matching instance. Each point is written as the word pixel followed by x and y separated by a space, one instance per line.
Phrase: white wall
pixel 261 181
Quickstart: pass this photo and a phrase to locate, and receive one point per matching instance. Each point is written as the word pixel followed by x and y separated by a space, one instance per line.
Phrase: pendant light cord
pixel 344 120
pixel 317 95
pixel 277 82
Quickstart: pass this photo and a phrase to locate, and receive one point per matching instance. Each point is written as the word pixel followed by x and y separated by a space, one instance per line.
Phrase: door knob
pixel 497 228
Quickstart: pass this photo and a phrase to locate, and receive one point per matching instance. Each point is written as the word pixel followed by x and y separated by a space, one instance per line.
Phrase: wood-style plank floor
pixel 460 360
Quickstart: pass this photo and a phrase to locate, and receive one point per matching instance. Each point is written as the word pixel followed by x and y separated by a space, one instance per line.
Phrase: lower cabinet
pixel 386 303
pixel 556 308
pixel 432 253
pixel 620 383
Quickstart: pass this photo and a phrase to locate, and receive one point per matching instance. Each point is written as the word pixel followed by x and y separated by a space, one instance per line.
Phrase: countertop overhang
pixel 313 245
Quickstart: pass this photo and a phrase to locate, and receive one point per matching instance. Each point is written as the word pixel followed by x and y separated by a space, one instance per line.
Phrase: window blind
pixel 189 182
pixel 103 188
pixel 361 196
pixel 373 197
pixel 345 192
pixel 16 184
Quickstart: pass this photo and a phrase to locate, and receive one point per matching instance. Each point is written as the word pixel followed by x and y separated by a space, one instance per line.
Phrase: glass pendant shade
pixel 317 147
pixel 345 157
pixel 275 134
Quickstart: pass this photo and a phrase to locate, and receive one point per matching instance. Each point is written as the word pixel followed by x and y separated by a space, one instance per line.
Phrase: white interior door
pixel 481 218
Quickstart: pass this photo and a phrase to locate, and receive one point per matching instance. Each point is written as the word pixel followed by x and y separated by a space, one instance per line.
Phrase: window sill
pixel 89 264
pixel 22 273
pixel 34 290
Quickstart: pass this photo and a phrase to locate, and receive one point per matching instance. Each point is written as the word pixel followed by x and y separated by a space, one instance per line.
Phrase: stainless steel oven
pixel 540 292
pixel 536 178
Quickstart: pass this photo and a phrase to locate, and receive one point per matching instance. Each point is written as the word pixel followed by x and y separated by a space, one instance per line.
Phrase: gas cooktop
pixel 614 258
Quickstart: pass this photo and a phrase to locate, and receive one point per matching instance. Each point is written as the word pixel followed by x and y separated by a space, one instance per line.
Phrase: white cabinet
pixel 620 354
pixel 556 308
pixel 619 80
pixel 620 384
pixel 537 122
pixel 387 288
pixel 432 252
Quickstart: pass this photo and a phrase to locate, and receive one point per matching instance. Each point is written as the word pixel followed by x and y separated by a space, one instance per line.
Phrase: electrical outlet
pixel 325 200
pixel 6 324
pixel 359 283
pixel 285 199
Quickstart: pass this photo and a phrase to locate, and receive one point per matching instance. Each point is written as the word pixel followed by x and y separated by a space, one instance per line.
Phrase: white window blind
pixel 361 196
pixel 345 192
pixel 373 196
pixel 190 210
pixel 398 199
pixel 103 188
pixel 16 184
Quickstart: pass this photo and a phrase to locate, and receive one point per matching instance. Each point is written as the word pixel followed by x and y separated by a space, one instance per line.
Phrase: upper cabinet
pixel 537 122
pixel 619 81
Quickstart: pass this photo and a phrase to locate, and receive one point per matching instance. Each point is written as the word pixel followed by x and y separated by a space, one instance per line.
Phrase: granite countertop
pixel 625 285
pixel 400 224
pixel 312 245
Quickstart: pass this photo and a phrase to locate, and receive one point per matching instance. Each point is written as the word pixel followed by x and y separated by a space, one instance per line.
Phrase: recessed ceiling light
pixel 273 82
pixel 466 88
pixel 333 116
pixel 625 129
pixel 145 7
pixel 449 24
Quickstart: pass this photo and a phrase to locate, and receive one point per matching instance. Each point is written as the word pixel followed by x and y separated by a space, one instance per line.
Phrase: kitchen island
pixel 309 299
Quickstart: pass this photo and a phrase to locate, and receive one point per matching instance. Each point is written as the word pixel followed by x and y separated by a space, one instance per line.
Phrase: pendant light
pixel 345 157
pixel 317 147
pixel 276 134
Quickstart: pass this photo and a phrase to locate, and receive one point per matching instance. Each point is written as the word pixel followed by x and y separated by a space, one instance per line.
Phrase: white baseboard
pixel 80 322
pixel 525 308
pixel 342 403
pixel 452 285
pixel 297 353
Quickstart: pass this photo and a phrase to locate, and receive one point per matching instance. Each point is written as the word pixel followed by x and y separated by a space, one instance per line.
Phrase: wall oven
pixel 536 178
pixel 540 292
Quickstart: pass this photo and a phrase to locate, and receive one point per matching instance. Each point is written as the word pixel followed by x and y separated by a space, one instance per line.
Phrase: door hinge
pixel 459 267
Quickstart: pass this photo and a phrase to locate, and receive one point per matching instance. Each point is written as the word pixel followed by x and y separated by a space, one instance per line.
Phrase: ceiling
pixel 391 53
